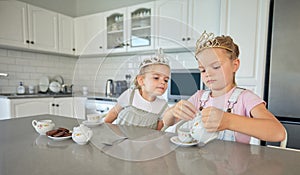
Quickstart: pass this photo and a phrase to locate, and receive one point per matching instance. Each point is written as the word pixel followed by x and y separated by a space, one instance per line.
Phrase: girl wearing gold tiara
pixel 141 106
pixel 218 62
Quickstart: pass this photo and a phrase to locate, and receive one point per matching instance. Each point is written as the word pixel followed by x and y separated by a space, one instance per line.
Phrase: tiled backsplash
pixel 91 72
pixel 29 67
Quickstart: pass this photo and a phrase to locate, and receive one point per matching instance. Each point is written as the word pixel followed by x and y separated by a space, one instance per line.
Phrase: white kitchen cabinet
pixel 30 27
pixel 79 107
pixel 90 33
pixel 43 29
pixel 13 20
pixel 23 107
pixel 181 22
pixel 130 29
pixel 247 22
pixel 12 108
pixel 66 34
pixel 62 106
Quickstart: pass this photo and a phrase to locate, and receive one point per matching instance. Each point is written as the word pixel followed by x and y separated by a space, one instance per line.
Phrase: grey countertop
pixel 35 95
pixel 102 96
pixel 24 151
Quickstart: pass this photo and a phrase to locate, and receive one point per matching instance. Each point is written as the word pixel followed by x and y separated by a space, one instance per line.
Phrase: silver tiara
pixel 208 40
pixel 159 58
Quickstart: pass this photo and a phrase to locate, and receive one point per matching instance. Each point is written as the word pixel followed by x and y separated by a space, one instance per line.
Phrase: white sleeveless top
pixel 132 115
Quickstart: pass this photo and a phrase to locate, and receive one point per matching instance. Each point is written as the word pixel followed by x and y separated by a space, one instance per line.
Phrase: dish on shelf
pixel 59 79
pixel 44 84
pixel 55 86
pixel 176 141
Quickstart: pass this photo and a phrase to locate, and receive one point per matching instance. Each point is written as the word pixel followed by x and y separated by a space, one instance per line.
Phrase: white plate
pixel 55 86
pixel 60 138
pixel 88 123
pixel 176 141
pixel 44 84
pixel 59 79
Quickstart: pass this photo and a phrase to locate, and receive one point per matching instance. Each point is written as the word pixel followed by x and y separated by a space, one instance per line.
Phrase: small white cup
pixel 184 135
pixel 85 90
pixel 31 89
pixel 93 118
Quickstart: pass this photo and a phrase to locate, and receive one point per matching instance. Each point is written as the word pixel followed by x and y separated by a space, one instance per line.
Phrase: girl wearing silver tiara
pixel 247 116
pixel 141 106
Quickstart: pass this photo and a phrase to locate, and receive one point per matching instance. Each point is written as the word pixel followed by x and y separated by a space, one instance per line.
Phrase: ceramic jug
pixel 81 134
pixel 43 126
pixel 197 131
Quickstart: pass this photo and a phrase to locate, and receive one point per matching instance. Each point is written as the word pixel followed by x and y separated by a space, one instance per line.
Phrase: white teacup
pixel 43 126
pixel 93 118
pixel 184 135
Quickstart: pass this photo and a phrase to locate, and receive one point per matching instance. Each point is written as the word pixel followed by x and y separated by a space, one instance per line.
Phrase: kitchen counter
pixel 146 151
pixel 35 95
pixel 102 96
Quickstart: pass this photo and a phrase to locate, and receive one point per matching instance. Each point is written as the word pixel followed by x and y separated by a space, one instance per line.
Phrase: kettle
pixel 109 89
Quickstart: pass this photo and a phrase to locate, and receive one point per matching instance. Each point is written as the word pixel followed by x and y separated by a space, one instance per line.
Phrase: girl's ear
pixel 236 64
pixel 140 80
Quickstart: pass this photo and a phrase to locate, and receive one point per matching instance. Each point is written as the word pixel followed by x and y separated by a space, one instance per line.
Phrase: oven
pixel 95 106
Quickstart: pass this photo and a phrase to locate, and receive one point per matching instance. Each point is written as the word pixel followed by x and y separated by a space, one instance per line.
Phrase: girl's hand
pixel 184 110
pixel 214 119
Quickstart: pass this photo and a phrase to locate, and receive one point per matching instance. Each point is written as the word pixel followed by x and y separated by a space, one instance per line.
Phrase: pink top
pixel 246 102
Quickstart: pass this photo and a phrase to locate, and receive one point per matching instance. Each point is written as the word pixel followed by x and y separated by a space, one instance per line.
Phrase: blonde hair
pixel 142 72
pixel 208 40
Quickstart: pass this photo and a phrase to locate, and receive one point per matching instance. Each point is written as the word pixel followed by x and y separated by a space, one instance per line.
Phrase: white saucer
pixel 176 141
pixel 60 138
pixel 89 123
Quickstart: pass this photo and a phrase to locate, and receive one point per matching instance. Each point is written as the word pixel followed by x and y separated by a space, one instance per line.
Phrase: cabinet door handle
pixel 27 41
pixel 188 38
pixel 73 49
pixel 32 42
pixel 127 44
pixel 53 104
pixel 100 47
pixel 183 39
pixel 57 105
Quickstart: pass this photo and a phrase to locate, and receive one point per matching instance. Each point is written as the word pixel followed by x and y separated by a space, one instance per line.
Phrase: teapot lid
pixel 82 128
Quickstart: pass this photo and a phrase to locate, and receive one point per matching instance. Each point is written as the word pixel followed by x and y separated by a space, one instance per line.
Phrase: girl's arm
pixel 160 125
pixel 263 124
pixel 184 110
pixel 113 114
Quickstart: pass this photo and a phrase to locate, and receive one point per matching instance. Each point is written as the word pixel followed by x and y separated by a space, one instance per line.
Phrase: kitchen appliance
pixel 282 68
pixel 66 88
pixel 93 106
pixel 184 83
pixel 119 87
pixel 109 88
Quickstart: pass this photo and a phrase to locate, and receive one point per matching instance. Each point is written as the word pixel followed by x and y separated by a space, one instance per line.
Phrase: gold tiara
pixel 208 40
pixel 159 58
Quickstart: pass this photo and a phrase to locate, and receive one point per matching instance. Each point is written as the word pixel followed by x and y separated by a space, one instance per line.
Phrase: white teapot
pixel 197 131
pixel 81 134
pixel 43 126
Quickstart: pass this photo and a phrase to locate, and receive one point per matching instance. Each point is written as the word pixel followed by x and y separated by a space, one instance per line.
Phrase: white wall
pixel 29 67
pixel 93 72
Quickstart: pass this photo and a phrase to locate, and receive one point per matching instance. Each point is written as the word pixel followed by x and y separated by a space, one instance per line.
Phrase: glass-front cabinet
pixel 130 28
pixel 116 34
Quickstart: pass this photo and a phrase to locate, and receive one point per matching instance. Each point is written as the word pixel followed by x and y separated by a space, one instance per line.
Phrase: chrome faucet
pixel 3 74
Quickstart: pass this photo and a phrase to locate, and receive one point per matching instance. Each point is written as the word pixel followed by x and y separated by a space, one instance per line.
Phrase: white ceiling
pixel 77 8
